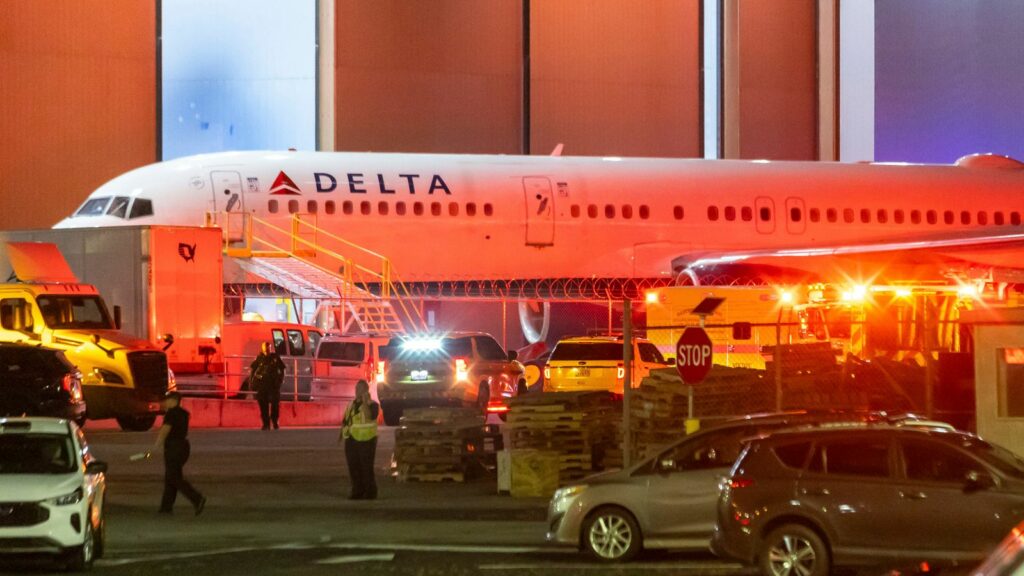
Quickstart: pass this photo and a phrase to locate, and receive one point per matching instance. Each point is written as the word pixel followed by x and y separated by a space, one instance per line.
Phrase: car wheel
pixel 136 423
pixel 793 550
pixel 483 397
pixel 392 413
pixel 100 539
pixel 522 388
pixel 80 558
pixel 611 535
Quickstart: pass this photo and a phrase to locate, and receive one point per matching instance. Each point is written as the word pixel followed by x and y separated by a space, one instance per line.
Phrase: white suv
pixel 51 491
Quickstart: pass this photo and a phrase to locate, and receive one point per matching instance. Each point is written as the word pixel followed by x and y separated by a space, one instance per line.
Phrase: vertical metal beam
pixel 627 383
pixel 828 79
pixel 325 84
pixel 159 73
pixel 730 64
pixel 526 77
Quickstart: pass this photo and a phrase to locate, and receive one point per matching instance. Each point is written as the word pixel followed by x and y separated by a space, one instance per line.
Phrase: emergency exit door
pixel 228 197
pixel 540 211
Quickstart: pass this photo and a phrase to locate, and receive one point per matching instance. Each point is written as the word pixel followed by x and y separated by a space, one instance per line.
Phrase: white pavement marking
pixel 358 558
pixel 457 549
pixel 703 566
pixel 161 557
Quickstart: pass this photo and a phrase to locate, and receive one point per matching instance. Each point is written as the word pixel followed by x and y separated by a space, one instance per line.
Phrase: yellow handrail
pixel 390 285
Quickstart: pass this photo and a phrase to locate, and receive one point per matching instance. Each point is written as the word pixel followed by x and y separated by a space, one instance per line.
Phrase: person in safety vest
pixel 359 432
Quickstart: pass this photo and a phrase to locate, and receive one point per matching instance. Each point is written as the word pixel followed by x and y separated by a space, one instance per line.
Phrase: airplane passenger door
pixel 796 216
pixel 228 197
pixel 540 211
pixel 764 214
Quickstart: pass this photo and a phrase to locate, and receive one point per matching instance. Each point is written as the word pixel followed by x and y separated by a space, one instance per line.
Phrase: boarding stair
pixel 357 288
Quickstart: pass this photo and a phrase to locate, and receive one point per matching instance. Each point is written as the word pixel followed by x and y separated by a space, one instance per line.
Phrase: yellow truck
pixel 43 303
pixel 769 313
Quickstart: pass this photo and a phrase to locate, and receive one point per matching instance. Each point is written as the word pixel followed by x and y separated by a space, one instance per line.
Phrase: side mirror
pixel 96 467
pixel 117 317
pixel 512 355
pixel 977 481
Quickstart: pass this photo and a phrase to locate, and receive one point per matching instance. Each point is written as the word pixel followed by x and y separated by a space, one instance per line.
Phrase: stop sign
pixel 693 355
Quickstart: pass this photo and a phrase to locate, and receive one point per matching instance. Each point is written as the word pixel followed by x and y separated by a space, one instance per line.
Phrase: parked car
pixel 596 363
pixel 666 501
pixel 294 343
pixel 51 491
pixel 344 360
pixel 802 502
pixel 38 381
pixel 461 368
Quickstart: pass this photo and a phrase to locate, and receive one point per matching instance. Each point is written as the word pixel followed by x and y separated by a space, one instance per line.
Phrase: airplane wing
pixel 994 254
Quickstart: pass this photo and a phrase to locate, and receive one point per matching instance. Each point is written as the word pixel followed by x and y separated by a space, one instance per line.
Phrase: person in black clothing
pixel 266 375
pixel 359 433
pixel 173 439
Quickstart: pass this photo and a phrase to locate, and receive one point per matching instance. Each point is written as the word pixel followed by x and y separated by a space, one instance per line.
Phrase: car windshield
pixel 94 207
pixel 999 458
pixel 70 312
pixel 36 454
pixel 587 351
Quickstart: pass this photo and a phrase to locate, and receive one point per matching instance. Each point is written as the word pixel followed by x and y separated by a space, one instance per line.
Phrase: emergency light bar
pixel 421 344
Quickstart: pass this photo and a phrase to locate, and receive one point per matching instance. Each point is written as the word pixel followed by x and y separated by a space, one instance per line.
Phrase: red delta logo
pixel 283 185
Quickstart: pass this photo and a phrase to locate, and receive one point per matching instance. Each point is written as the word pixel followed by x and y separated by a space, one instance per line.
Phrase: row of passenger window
pixel 611 211
pixel 866 216
pixel 366 208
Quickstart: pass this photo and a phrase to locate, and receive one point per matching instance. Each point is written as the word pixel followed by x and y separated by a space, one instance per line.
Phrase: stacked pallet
pixel 580 430
pixel 444 445
pixel 657 412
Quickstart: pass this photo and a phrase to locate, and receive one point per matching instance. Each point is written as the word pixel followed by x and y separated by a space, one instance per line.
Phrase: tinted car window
pixel 931 462
pixel 458 347
pixel 296 344
pixel 314 341
pixel 489 349
pixel 793 455
pixel 650 353
pixel 712 450
pixel 859 457
pixel 342 352
pixel 16 360
pixel 279 346
pixel 587 351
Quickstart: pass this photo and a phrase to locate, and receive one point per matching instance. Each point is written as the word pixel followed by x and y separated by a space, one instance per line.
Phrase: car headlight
pixel 564 496
pixel 67 499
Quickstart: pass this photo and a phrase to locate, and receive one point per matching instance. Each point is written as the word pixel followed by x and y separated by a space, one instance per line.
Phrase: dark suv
pixel 457 368
pixel 799 502
pixel 37 381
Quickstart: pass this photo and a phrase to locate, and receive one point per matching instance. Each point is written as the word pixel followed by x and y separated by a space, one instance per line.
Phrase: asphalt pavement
pixel 277 504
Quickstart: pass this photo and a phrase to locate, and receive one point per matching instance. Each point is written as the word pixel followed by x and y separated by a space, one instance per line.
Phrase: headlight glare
pixel 67 499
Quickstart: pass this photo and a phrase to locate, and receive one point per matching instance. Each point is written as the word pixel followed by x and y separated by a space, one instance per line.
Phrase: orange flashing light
pixel 547 372
pixel 461 370
pixel 651 297
pixel 381 367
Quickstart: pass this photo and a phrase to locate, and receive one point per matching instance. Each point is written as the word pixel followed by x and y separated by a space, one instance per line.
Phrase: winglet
pixel 558 149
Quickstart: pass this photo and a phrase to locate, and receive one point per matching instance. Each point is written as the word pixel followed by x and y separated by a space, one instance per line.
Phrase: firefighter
pixel 359 433
pixel 267 375
pixel 173 439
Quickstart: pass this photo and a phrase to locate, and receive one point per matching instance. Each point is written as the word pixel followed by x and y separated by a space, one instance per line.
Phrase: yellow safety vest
pixel 356 426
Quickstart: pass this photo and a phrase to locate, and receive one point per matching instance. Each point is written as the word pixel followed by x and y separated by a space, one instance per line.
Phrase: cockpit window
pixel 119 207
pixel 94 207
pixel 141 207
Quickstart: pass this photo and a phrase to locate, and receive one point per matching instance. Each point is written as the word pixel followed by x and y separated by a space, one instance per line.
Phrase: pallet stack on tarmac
pixel 444 445
pixel 560 437
pixel 657 412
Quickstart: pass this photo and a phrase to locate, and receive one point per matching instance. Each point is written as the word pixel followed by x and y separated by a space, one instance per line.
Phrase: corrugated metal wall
pixel 428 76
pixel 615 77
pixel 78 94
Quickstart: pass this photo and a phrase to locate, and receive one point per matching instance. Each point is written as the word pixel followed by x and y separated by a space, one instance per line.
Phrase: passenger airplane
pixel 463 217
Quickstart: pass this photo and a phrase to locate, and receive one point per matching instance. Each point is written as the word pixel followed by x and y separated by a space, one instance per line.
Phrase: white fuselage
pixel 462 217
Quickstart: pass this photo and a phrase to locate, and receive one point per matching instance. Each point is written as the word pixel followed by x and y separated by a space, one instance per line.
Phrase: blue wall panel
pixel 949 78
pixel 238 75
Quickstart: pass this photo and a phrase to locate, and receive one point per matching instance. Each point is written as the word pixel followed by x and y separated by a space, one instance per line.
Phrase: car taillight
pixel 73 386
pixel 382 365
pixel 740 482
pixel 547 372
pixel 620 373
pixel 461 370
